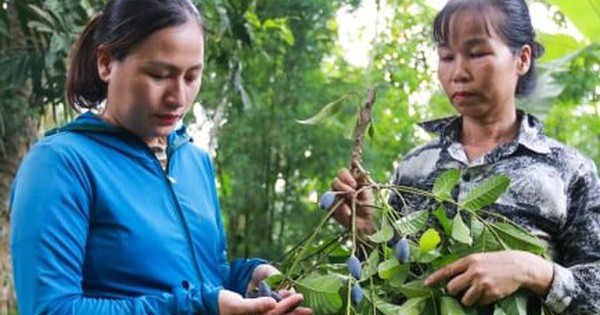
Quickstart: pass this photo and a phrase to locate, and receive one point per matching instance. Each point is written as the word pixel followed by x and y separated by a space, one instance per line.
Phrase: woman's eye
pixel 446 58
pixel 478 54
pixel 191 79
pixel 157 76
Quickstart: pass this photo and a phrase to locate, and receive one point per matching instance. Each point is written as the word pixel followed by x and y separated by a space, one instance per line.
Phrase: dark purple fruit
pixel 402 251
pixel 354 267
pixel 327 199
pixel 276 296
pixel 264 289
pixel 392 242
pixel 356 294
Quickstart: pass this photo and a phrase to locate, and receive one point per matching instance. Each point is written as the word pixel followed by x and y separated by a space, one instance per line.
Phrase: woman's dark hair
pixel 119 27
pixel 513 25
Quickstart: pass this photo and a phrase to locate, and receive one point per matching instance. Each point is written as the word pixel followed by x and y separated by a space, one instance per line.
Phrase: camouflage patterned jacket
pixel 554 193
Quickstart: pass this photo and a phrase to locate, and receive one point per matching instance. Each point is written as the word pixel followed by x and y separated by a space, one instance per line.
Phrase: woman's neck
pixel 479 136
pixel 108 117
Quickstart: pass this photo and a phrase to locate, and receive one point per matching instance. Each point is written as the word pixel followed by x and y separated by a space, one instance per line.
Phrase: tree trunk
pixel 19 130
pixel 16 143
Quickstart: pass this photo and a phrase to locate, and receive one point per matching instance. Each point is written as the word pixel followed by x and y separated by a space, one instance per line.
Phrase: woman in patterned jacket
pixel 487 55
pixel 117 212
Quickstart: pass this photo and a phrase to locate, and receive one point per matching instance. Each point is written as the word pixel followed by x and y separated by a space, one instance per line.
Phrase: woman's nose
pixel 176 93
pixel 460 72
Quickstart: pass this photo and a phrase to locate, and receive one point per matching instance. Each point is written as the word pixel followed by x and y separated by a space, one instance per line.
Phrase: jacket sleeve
pixel 575 288
pixel 50 202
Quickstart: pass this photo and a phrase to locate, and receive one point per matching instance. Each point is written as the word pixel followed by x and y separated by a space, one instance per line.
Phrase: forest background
pixel 270 63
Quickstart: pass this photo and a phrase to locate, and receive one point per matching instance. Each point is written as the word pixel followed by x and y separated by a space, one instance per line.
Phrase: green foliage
pixel 322 290
pixel 396 287
pixel 486 193
pixel 584 14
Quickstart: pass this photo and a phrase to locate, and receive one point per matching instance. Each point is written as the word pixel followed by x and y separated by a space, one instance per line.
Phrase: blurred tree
pixel 35 37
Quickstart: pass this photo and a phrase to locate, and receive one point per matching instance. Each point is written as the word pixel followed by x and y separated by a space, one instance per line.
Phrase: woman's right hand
pixel 231 303
pixel 349 186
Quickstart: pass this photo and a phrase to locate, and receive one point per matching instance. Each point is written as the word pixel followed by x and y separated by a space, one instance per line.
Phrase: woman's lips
pixel 459 97
pixel 168 119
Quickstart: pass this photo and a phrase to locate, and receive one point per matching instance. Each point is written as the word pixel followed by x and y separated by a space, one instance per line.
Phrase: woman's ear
pixel 523 60
pixel 104 62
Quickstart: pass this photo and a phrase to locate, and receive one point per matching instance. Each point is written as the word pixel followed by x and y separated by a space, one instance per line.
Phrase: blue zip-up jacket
pixel 99 228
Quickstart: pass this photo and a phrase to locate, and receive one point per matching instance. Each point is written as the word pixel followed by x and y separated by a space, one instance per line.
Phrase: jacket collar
pixel 91 123
pixel 530 134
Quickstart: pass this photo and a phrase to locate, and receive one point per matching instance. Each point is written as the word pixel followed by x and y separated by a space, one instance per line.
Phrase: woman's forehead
pixel 468 23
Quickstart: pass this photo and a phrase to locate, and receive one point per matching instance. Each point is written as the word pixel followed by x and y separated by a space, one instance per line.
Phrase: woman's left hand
pixel 487 277
pixel 291 299
pixel 262 272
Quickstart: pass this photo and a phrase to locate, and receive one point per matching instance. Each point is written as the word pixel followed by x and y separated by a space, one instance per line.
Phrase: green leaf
pixel 476 227
pixel 445 260
pixel 518 238
pixel 440 214
pixel 394 273
pixel 515 304
pixel 451 306
pixel 371 131
pixel 321 292
pixel 584 14
pixel 485 193
pixel 387 268
pixel 412 223
pixel 413 306
pixel 423 257
pixel 546 310
pixel 274 280
pixel 382 236
pixel 417 288
pixel 429 240
pixel 326 112
pixel 371 265
pixel 240 87
pixel 44 15
pixel 444 183
pixel 558 45
pixel 381 306
pixel 460 231
pixel 41 27
pixel 485 241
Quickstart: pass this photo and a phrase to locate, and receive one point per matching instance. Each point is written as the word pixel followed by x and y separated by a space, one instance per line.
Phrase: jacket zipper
pixel 178 209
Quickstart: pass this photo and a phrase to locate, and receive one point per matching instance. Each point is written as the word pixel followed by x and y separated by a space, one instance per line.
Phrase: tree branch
pixel 363 122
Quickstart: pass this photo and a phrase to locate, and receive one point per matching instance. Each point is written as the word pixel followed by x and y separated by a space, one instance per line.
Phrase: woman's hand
pixel 231 303
pixel 487 277
pixel 289 302
pixel 348 185
pixel 262 272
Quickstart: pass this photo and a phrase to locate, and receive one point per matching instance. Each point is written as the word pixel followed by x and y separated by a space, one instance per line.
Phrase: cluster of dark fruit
pixel 402 251
pixel 356 292
pixel 400 245
pixel 264 290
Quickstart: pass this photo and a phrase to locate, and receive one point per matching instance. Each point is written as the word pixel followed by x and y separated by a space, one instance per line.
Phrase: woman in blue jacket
pixel 117 212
